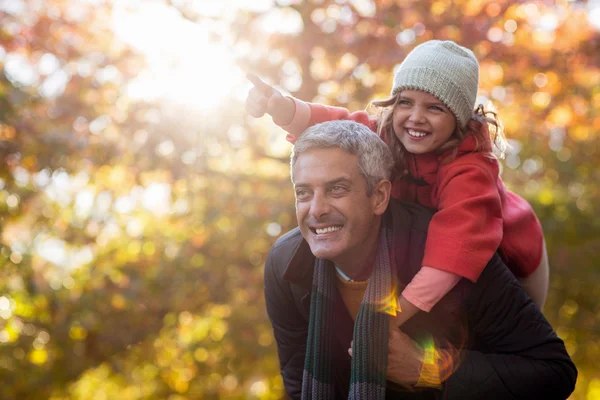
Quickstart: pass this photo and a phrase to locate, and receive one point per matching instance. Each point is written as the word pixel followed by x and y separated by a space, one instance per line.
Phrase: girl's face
pixel 422 122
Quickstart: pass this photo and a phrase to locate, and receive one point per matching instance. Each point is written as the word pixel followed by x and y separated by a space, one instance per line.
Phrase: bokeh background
pixel 138 201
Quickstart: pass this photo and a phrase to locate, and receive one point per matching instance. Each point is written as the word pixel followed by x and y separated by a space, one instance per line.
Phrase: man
pixel 332 284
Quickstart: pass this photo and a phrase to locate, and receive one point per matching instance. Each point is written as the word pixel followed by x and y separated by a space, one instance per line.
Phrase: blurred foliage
pixel 134 231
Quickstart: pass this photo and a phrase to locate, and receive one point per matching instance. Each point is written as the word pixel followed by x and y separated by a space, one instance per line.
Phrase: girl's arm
pixel 463 234
pixel 467 229
pixel 309 114
pixel 294 115
pixel 426 288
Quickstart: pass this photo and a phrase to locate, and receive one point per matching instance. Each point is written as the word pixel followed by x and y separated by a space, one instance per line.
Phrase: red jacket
pixel 476 215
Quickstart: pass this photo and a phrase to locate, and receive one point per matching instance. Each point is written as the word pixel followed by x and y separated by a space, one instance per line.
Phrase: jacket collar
pixel 426 166
pixel 300 268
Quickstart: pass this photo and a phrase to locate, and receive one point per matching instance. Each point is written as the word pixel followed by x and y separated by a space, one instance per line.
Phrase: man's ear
pixel 381 196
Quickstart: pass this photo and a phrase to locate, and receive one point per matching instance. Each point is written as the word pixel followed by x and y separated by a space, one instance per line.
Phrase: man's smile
pixel 326 229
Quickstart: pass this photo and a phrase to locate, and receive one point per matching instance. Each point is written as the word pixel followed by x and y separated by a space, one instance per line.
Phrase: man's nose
pixel 319 205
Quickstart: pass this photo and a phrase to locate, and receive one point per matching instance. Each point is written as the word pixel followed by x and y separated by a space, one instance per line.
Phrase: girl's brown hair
pixel 475 127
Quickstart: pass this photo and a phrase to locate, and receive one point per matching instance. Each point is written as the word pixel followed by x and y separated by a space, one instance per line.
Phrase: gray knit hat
pixel 446 70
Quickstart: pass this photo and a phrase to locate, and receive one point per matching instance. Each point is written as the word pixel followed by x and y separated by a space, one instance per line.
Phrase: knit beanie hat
pixel 446 70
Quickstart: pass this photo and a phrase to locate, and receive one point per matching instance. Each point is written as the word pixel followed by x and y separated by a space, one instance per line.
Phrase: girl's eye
pixel 437 108
pixel 403 102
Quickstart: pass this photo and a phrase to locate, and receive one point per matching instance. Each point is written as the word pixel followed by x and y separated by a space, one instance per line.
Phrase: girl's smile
pixel 422 122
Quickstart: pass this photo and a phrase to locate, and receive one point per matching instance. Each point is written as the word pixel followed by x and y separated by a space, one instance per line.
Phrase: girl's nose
pixel 417 115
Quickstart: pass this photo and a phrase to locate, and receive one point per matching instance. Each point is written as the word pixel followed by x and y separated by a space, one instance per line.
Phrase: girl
pixel 443 154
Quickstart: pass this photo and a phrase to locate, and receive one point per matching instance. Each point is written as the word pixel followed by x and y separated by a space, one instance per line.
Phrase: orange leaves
pixel 491 73
pixel 6 132
pixel 561 116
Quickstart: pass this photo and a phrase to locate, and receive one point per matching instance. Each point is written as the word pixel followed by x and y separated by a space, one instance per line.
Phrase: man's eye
pixel 337 188
pixel 300 193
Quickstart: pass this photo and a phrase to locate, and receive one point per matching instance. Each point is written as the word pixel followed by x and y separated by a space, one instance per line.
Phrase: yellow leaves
pixel 98 382
pixel 451 32
pixel 438 8
pixel 199 239
pixel 268 169
pixel 491 73
pixel 117 175
pixel 221 311
pixel 347 62
pixel 230 383
pixel 265 339
pixel 194 329
pixel 133 249
pixel 581 133
pixel 586 77
pixel 593 391
pixel 224 224
pixel 149 177
pixel 10 333
pixel 321 69
pixel 545 197
pixel 38 356
pixel 24 307
pixel 198 260
pixel 218 330
pixel 568 309
pixel 563 154
pixel 544 39
pixel 541 99
pixel 7 132
pixel 550 81
pixel 118 302
pixel 118 178
pixel 561 116
pixel 511 119
pixel 148 248
pixel 118 277
pixel 580 106
pixel 201 354
pixel 258 388
pixel 77 332
pixel 595 100
pixel 180 385
pixel 493 9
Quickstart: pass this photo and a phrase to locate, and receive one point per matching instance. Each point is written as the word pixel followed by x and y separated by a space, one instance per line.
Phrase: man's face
pixel 336 217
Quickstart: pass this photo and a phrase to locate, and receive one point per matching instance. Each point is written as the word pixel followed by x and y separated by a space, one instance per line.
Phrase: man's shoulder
pixel 410 215
pixel 284 249
pixel 289 239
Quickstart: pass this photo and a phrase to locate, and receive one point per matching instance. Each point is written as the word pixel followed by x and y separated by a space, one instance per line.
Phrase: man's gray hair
pixel 374 157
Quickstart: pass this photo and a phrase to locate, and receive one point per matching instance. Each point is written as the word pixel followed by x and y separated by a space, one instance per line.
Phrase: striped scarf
pixel 370 339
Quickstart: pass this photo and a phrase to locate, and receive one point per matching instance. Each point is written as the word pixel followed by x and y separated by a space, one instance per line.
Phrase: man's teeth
pixel 328 229
pixel 415 133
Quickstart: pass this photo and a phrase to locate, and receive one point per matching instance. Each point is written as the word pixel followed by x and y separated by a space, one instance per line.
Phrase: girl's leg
pixel 536 284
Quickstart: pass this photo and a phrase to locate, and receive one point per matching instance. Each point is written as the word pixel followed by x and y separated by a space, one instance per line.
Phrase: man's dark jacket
pixel 508 349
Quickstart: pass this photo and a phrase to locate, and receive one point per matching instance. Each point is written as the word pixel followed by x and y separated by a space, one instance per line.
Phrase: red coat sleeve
pixel 309 114
pixel 467 229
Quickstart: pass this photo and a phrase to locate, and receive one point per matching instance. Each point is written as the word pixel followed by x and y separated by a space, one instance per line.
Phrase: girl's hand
pixel 264 98
pixel 405 357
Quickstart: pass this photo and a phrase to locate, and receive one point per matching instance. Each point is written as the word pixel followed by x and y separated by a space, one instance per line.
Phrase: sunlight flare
pixel 184 65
